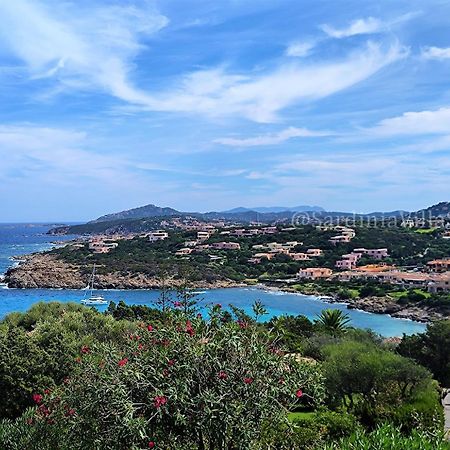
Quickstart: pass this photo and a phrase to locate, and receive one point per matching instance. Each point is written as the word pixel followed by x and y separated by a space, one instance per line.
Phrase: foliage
pixel 38 348
pixel 189 384
pixel 431 349
pixel 333 320
pixel 387 437
pixel 369 380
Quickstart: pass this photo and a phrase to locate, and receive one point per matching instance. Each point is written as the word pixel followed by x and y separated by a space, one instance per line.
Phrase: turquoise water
pixel 19 239
pixel 277 303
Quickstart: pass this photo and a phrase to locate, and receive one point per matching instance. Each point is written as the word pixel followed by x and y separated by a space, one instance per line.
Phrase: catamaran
pixel 93 299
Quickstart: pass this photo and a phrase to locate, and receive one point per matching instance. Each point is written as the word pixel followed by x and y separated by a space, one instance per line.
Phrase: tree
pixel 431 349
pixel 333 320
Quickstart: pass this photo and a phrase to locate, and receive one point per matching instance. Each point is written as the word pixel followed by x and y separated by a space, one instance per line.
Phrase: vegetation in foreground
pixel 169 378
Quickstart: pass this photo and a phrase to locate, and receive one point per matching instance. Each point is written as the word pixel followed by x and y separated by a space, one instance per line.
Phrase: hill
pixel 441 209
pixel 277 209
pixel 139 213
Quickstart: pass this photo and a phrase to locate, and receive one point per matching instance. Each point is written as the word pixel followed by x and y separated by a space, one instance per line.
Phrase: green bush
pixel 388 437
pixel 188 384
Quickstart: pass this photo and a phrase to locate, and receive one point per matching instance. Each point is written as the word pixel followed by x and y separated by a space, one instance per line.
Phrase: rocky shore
pixel 43 270
pixel 376 305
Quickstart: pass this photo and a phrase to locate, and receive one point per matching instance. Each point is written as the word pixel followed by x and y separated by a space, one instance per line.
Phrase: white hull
pixel 94 302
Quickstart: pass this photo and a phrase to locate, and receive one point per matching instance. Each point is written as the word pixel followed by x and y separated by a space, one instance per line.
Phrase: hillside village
pixel 220 242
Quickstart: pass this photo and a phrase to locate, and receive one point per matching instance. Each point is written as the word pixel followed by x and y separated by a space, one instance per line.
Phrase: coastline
pixel 44 271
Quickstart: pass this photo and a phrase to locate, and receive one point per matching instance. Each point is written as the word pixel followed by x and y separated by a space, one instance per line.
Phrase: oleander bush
pixel 186 384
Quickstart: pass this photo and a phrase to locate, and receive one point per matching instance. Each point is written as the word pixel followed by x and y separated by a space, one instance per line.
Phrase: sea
pixel 22 239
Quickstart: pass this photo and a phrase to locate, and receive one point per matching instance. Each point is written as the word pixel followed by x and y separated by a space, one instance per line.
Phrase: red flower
pixel 166 372
pixel 140 346
pixel 85 349
pixel 123 362
pixel 159 401
pixel 37 398
pixel 222 375
pixel 70 412
pixel 44 410
pixel 171 362
pixel 151 444
pixel 30 421
pixel 299 393
pixel 248 380
pixel 47 391
pixel 189 329
pixel 242 324
pixel 149 328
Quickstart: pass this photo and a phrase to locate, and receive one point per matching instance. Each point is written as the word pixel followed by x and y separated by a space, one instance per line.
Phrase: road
pixel 446 403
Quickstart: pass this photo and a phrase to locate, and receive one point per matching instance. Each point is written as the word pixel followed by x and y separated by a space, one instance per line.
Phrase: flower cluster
pixel 159 401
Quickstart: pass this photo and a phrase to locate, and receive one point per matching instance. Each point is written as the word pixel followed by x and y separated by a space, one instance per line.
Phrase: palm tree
pixel 334 320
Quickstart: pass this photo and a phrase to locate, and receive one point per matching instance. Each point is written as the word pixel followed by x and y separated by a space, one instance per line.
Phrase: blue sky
pixel 203 105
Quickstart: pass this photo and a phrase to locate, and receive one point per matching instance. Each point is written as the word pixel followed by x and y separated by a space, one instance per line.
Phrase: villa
pixel 159 235
pixel 101 245
pixel 439 265
pixel 314 273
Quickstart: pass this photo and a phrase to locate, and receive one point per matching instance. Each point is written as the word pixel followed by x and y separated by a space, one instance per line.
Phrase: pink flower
pixel 248 380
pixel 37 398
pixel 189 329
pixel 70 412
pixel 149 328
pixel 222 375
pixel 151 444
pixel 177 304
pixel 171 362
pixel 85 349
pixel 299 393
pixel 123 362
pixel 47 391
pixel 159 401
pixel 243 325
pixel 199 316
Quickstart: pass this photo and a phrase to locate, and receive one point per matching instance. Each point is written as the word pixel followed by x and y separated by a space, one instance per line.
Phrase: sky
pixel 201 105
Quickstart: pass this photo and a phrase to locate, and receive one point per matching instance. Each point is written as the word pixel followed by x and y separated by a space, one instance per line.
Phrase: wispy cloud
pixel 360 26
pixel 261 98
pixel 94 50
pixel 436 53
pixel 270 139
pixel 414 123
pixel 300 49
pixel 368 25
pixel 79 48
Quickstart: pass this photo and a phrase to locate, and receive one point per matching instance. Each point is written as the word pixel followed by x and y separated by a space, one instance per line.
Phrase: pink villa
pixel 313 273
pixel 300 256
pixel 377 253
pixel 348 261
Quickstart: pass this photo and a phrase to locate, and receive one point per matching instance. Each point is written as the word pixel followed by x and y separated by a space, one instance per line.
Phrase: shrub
pixel 189 384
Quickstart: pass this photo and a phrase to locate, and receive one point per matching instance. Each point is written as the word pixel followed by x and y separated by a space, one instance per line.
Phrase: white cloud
pixel 270 139
pixel 260 98
pixel 436 53
pixel 94 49
pixel 369 25
pixel 360 26
pixel 415 123
pixel 300 49
pixel 80 48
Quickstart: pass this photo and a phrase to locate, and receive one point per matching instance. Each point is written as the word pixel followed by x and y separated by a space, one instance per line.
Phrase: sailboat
pixel 93 298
